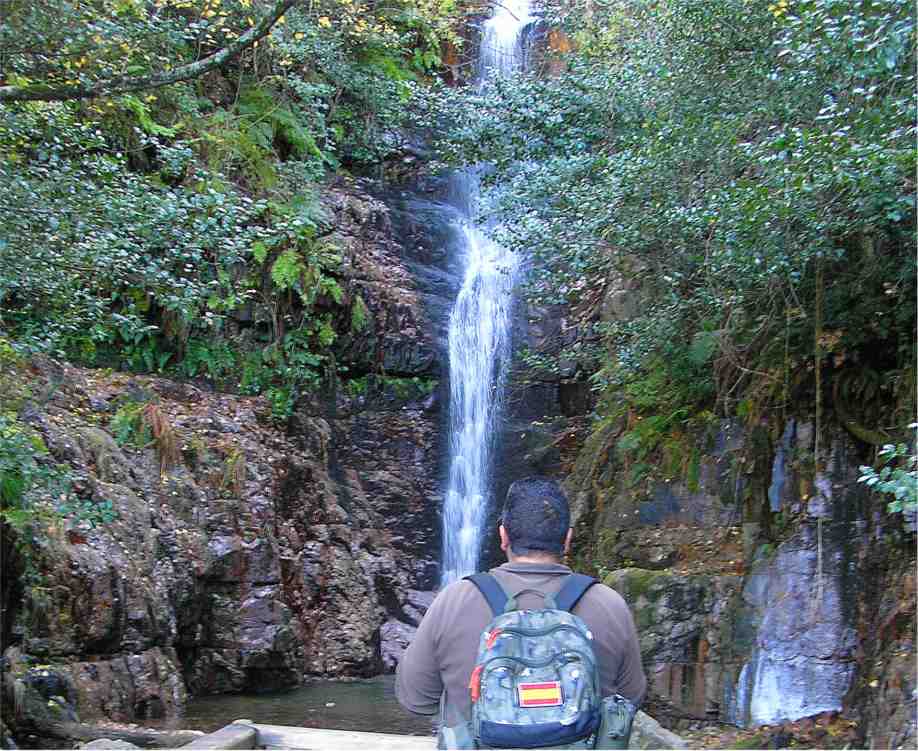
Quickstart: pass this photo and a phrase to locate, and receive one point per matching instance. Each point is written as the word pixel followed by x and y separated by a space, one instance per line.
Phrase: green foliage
pixel 357 386
pixel 897 476
pixel 215 360
pixel 90 512
pixel 142 112
pixel 13 388
pixel 289 271
pixel 35 491
pixel 128 427
pixel 405 389
pixel 19 468
pixel 408 388
pixel 138 228
pixel 706 158
pixel 360 315
pixel 250 139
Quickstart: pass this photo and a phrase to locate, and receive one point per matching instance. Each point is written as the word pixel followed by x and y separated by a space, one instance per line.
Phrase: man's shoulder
pixel 606 592
pixel 454 595
pixel 600 595
pixel 459 588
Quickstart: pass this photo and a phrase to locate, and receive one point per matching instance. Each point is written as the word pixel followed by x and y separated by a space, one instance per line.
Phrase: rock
pixel 108 743
pixel 647 733
pixel 98 404
pixel 804 643
pixel 416 605
pixel 680 626
pixel 394 638
pixel 6 738
pixel 211 583
pixel 755 593
pixel 144 686
pixel 111 463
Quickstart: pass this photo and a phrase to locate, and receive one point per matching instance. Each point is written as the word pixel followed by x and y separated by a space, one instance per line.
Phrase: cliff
pixel 237 552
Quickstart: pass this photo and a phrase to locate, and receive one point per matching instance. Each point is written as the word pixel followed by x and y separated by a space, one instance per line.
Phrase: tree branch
pixel 122 84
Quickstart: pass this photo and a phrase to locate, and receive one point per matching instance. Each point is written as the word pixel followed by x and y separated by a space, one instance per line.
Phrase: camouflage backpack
pixel 536 681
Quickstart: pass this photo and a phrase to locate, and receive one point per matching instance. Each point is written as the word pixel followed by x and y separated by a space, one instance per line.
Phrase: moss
pixel 13 391
pixel 637 583
pixel 760 740
pixel 605 544
pixel 693 471
pixel 409 388
pixel 595 454
pixel 234 472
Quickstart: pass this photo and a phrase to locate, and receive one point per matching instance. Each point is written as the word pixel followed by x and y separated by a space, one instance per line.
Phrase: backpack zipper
pixel 542 632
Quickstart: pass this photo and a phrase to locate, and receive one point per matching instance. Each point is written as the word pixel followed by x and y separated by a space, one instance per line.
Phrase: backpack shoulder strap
pixel 492 590
pixel 572 590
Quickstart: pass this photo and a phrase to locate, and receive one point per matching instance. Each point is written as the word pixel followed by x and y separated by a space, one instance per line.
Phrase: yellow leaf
pixel 325 22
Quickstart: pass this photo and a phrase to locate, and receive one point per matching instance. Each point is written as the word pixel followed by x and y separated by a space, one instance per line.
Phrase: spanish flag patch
pixel 546 694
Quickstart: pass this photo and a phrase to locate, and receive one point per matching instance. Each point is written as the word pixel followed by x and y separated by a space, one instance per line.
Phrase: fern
pixel 326 333
pixel 331 287
pixel 360 315
pixel 147 123
pixel 288 270
pixel 273 121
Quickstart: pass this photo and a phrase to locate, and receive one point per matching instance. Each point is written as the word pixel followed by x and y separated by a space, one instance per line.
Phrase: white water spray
pixel 479 333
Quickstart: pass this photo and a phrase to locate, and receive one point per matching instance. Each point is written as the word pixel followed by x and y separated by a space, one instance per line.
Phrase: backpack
pixel 536 681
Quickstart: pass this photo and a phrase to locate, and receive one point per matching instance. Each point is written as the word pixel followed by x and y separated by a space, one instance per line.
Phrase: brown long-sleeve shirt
pixel 442 655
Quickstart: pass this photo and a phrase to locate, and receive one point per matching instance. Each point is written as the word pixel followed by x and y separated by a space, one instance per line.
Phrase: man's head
pixel 536 519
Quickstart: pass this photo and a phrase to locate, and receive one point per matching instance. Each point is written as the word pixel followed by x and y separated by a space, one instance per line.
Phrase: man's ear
pixel 567 541
pixel 504 539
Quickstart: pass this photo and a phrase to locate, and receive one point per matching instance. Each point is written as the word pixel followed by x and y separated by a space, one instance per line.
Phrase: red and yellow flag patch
pixel 547 694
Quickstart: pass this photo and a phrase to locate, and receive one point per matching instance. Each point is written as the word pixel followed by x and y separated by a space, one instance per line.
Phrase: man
pixel 534 533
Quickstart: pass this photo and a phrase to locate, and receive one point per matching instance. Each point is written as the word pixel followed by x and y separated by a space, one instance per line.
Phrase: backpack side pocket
pixel 616 717
pixel 456 736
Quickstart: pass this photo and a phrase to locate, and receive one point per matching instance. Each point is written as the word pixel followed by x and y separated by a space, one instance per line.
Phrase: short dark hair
pixel 536 516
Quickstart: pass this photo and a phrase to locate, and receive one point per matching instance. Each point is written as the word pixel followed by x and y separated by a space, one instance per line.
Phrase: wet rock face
pixel 544 414
pixel 368 528
pixel 755 586
pixel 266 553
pixel 803 658
pixel 400 259
pixel 680 623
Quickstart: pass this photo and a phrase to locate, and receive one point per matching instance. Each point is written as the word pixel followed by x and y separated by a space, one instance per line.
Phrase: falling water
pixel 479 331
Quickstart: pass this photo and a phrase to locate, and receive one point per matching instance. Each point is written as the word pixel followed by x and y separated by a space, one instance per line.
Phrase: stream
pixel 367 705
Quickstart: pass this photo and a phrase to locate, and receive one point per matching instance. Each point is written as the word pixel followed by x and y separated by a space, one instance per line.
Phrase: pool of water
pixel 367 705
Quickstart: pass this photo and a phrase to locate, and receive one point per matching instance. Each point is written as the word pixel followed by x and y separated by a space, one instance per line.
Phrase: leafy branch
pixel 124 84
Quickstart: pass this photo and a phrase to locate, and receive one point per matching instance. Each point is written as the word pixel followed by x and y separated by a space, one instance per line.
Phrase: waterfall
pixel 479 331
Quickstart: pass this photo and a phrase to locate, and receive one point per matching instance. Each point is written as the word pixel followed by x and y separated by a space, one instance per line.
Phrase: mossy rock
pixel 111 463
pixel 634 583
